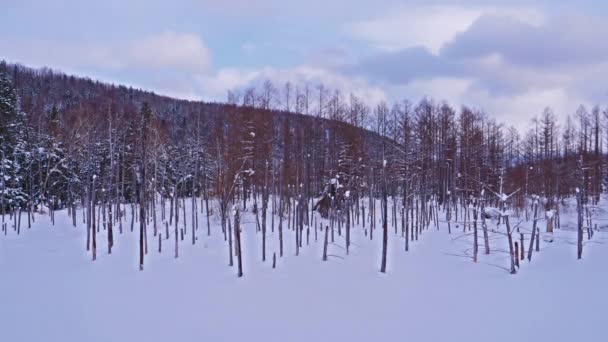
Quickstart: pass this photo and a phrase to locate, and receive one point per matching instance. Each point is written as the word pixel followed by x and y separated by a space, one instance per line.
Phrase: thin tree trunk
pixel 237 236
pixel 512 254
pixel 325 243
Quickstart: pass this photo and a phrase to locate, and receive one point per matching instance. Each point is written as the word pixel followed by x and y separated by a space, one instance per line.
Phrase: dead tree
pixel 533 235
pixel 325 243
pixel 237 238
pixel 384 221
pixel 475 244
pixel 579 215
pixel 265 197
pixel 146 115
pixel 94 231
pixel 512 253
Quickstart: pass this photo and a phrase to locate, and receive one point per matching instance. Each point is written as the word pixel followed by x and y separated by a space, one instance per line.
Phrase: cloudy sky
pixel 510 58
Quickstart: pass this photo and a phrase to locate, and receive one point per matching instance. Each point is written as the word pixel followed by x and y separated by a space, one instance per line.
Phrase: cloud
pixel 177 51
pixel 509 58
pixel 167 62
pixel 505 62
pixel 561 41
pixel 429 27
pixel 406 65
pixel 217 85
pixel 183 52
pixel 512 110
pixel 518 110
pixel 450 89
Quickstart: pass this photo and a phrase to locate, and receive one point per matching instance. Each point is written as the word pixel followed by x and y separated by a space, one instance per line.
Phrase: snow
pixel 51 290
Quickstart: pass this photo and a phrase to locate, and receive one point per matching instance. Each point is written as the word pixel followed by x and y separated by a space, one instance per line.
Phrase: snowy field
pixel 50 289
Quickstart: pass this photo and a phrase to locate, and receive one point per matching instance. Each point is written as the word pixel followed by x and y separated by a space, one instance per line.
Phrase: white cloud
pixel 510 80
pixel 428 26
pixel 511 109
pixel 216 86
pixel 518 110
pixel 182 51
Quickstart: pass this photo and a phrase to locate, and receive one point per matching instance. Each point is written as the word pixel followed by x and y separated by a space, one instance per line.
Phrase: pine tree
pixel 13 146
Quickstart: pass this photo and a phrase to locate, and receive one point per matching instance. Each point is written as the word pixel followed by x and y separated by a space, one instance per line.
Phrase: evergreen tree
pixel 13 148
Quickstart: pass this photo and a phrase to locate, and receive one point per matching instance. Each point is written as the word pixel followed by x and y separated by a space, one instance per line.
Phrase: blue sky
pixel 508 58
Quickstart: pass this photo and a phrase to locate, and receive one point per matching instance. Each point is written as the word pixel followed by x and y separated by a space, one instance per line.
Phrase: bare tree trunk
pixel 176 242
pixel 579 210
pixel 347 226
pixel 521 238
pixel 237 236
pixel 110 231
pixel 296 226
pixel 515 252
pixel 325 243
pixel 475 244
pixel 533 235
pixel 193 209
pixel 206 204
pixel 281 213
pixel 87 213
pixel 265 196
pixel 142 224
pixel 230 261
pixel 484 226
pixel 94 247
pixel 512 255
pixel 384 226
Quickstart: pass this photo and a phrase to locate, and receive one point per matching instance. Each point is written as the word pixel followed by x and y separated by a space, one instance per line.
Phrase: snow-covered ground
pixel 50 290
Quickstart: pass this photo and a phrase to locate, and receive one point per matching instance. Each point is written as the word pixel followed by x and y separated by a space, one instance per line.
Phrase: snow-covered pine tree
pixel 12 146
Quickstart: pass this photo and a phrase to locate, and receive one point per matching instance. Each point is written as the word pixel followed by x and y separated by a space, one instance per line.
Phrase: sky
pixel 508 58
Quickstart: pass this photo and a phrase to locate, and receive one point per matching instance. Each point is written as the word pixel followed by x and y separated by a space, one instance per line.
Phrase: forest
pixel 308 158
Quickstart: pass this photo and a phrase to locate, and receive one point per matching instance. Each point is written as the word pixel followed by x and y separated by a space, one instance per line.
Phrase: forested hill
pixel 64 130
pixel 65 136
pixel 43 90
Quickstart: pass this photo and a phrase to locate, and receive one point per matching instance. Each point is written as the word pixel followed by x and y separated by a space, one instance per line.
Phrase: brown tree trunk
pixel 325 243
pixel 512 255
pixel 237 236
